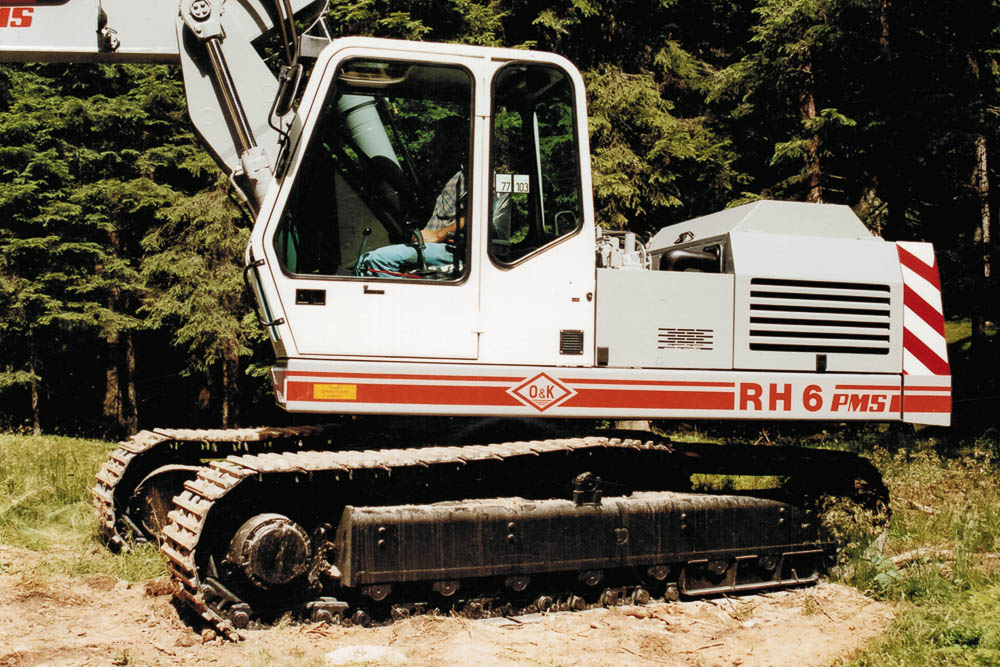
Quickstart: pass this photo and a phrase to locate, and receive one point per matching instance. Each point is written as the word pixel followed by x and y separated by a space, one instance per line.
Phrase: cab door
pixel 538 275
pixel 370 243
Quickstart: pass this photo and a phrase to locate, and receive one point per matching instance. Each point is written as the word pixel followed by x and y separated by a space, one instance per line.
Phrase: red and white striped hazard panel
pixel 927 376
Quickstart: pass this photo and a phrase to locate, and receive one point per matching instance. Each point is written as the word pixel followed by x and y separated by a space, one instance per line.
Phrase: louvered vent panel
pixel 570 341
pixel 819 317
pixel 684 339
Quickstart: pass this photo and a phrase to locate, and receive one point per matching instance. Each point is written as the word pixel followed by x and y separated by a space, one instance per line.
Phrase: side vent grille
pixel 684 339
pixel 570 341
pixel 819 317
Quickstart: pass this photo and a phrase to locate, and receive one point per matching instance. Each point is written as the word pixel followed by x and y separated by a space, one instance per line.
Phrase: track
pixel 143 453
pixel 707 550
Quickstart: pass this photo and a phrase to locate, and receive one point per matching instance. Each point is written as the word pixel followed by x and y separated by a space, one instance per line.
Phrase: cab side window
pixel 535 166
pixel 381 190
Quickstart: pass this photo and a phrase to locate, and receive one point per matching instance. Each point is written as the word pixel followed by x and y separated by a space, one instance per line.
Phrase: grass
pixel 960 331
pixel 937 561
pixel 45 505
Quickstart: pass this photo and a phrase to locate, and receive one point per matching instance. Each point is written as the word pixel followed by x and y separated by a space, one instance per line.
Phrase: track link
pixel 187 521
pixel 145 451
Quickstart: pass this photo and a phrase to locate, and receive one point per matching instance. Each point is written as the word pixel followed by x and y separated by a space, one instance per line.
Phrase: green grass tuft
pixel 46 505
pixel 946 521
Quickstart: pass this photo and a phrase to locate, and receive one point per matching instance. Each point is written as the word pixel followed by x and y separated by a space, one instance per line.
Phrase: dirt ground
pixel 97 620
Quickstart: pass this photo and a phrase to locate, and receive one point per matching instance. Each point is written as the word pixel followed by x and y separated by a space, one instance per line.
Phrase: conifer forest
pixel 122 304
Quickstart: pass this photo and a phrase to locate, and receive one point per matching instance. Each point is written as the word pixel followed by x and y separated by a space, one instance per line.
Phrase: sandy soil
pixel 97 620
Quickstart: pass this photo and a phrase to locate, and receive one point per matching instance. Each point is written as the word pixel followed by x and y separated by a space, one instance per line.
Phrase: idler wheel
pixel 271 549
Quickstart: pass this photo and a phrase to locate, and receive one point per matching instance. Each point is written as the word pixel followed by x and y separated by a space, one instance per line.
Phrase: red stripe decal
pixel 659 400
pixel 410 394
pixel 946 390
pixel 393 376
pixel 654 383
pixel 867 387
pixel 497 396
pixel 923 310
pixel 915 264
pixel 924 354
pixel 894 404
pixel 926 404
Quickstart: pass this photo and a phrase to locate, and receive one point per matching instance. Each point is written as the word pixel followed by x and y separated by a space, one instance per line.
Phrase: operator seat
pixel 500 225
pixel 390 187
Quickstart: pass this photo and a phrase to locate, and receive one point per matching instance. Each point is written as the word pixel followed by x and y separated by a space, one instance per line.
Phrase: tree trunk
pixel 891 186
pixel 120 403
pixel 981 191
pixel 36 416
pixel 981 187
pixel 807 101
pixel 112 408
pixel 225 393
pixel 130 404
pixel 633 425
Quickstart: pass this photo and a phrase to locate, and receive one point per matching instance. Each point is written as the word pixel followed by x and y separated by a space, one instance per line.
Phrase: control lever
pixel 365 233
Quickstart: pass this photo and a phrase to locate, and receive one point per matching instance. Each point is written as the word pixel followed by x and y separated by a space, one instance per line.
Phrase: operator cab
pixel 433 207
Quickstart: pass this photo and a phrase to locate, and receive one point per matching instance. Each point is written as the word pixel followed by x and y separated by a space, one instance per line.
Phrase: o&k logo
pixel 541 392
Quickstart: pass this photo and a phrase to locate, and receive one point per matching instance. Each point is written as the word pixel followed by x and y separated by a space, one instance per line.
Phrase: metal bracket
pixel 587 489
pixel 203 17
pixel 256 309
pixel 107 38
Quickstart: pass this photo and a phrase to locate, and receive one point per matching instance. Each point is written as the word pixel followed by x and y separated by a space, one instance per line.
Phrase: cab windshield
pixel 381 192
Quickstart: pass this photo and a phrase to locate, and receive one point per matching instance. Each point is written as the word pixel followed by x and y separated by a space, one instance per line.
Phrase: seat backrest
pixel 388 183
pixel 500 224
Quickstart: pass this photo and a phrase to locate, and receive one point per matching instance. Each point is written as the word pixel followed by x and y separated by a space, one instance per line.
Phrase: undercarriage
pixel 267 522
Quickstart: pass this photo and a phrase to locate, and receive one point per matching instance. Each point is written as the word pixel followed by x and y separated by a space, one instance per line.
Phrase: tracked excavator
pixel 424 246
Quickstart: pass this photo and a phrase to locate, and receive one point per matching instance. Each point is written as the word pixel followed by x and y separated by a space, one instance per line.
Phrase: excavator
pixel 425 257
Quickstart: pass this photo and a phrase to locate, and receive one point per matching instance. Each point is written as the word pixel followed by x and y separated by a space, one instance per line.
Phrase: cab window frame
pixel 578 175
pixel 318 133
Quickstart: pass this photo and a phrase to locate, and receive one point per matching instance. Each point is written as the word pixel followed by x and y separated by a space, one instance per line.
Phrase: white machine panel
pixel 665 319
pixel 525 308
pixel 770 217
pixel 799 297
pixel 66 30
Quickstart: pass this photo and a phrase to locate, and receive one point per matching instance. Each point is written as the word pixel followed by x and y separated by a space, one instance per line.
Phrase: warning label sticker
pixel 335 392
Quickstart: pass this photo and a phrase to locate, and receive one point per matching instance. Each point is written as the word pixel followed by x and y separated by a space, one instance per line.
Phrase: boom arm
pixel 230 89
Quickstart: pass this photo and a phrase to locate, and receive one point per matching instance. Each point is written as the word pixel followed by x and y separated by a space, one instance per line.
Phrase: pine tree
pixel 95 159
pixel 193 268
pixel 787 97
